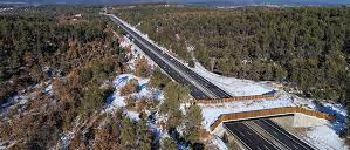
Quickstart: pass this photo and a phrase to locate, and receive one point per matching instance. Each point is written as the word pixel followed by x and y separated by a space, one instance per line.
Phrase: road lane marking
pixel 187 77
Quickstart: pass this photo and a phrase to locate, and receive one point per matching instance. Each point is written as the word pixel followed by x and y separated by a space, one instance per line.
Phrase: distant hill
pixel 210 3
pixel 228 3
pixel 75 2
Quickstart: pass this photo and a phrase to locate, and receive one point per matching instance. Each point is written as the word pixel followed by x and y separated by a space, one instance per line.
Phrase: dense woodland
pixel 55 46
pixel 306 47
pixel 76 51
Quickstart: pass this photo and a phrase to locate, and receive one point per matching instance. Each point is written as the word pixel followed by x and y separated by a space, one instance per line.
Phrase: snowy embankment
pixel 116 101
pixel 145 36
pixel 326 134
pixel 324 137
pixel 231 85
pixel 136 53
pixel 219 143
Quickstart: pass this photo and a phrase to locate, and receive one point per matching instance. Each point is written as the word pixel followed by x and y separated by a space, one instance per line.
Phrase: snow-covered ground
pixel 136 52
pixel 116 101
pixel 218 142
pixel 20 100
pixel 324 137
pixel 317 135
pixel 231 85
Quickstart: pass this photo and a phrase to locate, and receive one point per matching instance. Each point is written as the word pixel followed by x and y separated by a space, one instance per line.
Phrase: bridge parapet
pixel 235 99
pixel 269 113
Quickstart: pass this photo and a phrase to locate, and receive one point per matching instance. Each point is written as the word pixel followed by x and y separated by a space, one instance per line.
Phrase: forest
pixel 64 61
pixel 306 48
pixel 52 45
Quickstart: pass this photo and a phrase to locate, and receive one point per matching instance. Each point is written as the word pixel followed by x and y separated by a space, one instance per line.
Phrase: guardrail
pixel 267 113
pixel 235 99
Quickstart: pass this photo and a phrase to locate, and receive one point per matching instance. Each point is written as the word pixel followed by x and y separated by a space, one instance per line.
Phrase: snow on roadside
pixel 231 85
pixel 219 143
pixel 136 53
pixel 337 110
pixel 145 36
pixel 322 136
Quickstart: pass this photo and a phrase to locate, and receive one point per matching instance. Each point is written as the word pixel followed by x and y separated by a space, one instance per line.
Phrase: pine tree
pixel 128 134
pixel 174 95
pixel 144 140
pixel 168 144
pixel 347 100
pixel 193 123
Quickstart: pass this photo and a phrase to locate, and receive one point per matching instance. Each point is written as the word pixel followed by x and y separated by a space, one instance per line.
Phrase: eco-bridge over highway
pixel 253 135
pixel 200 87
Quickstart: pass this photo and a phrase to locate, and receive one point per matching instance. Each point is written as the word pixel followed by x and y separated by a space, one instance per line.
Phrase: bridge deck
pixel 268 113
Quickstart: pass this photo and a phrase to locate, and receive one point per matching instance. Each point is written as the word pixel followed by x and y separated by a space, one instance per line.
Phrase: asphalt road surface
pixel 264 134
pixel 200 87
pixel 260 134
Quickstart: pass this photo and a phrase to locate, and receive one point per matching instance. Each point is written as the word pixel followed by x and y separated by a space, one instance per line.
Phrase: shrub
pixel 129 88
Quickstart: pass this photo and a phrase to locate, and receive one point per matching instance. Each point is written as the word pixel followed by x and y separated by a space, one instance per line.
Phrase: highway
pixel 259 134
pixel 263 134
pixel 200 87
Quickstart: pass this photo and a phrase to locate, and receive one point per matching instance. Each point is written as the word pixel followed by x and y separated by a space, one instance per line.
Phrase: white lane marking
pixel 266 136
pixel 245 145
pixel 188 78
pixel 298 142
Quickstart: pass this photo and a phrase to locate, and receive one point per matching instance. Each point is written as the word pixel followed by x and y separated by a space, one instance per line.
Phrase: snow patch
pixel 231 85
pixel 116 101
pixel 337 110
pixel 133 115
pixel 218 142
pixel 322 136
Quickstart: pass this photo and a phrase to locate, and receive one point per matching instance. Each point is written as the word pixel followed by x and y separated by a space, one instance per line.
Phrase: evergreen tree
pixel 144 137
pixel 168 144
pixel 174 95
pixel 347 101
pixel 128 134
pixel 193 123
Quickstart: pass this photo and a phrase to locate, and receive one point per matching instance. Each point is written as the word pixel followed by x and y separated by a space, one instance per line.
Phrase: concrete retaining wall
pixel 297 121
